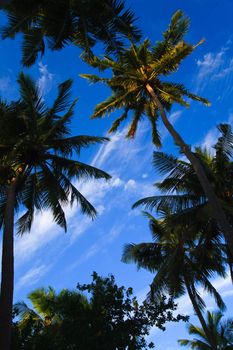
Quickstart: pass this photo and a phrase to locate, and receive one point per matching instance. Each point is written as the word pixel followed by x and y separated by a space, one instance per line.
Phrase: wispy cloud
pixel 32 276
pixel 44 229
pixel 173 118
pixel 223 285
pixel 45 234
pixel 210 64
pixel 122 149
pixel 213 67
pixel 7 86
pixel 100 244
pixel 210 139
pixel 126 160
pixel 46 79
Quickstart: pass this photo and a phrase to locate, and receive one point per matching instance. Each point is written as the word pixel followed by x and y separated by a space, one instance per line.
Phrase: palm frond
pixel 225 141
pixel 93 78
pixel 76 169
pixel 66 146
pixel 177 28
pixel 30 96
pixel 171 59
pixel 212 291
pixel 62 101
pixel 33 45
pixel 118 121
pixel 110 105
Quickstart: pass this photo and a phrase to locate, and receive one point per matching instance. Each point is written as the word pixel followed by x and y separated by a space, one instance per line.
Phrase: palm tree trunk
pixel 209 192
pixel 190 288
pixel 7 279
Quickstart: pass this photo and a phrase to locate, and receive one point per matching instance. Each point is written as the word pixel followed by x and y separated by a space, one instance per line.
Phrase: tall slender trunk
pixel 190 288
pixel 7 279
pixel 209 192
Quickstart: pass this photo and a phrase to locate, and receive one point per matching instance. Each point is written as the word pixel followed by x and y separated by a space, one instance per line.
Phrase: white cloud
pixel 45 81
pixel 213 67
pixel 98 246
pixel 44 229
pixel 173 118
pixel 131 184
pixel 106 149
pixel 135 153
pixel 210 64
pixel 7 86
pixel 32 276
pixel 227 70
pixel 126 154
pixel 95 190
pixel 139 189
pixel 210 139
pixel 221 284
pixel 121 151
pixel 212 135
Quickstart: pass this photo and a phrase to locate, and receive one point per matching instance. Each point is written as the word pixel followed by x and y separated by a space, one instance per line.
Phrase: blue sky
pixel 48 256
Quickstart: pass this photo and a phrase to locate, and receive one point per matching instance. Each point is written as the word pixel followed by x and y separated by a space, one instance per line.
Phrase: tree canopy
pixel 58 23
pixel 106 317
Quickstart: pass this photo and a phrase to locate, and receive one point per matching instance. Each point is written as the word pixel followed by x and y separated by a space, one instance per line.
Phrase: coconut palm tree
pixel 78 22
pixel 36 172
pixel 45 304
pixel 183 259
pixel 51 315
pixel 137 86
pixel 184 195
pixel 222 331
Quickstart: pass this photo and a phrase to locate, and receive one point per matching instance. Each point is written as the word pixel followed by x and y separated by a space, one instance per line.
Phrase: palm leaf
pixel 62 102
pixel 33 45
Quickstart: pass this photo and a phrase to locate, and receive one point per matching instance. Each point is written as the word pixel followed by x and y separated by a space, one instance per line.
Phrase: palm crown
pixel 180 255
pixel 222 331
pixel 184 195
pixel 141 66
pixel 183 258
pixel 61 22
pixel 137 85
pixel 36 147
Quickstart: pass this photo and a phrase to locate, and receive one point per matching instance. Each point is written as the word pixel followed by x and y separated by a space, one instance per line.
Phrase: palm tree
pixel 184 195
pixel 78 22
pixel 222 331
pixel 36 172
pixel 45 304
pixel 183 259
pixel 43 312
pixel 51 315
pixel 137 86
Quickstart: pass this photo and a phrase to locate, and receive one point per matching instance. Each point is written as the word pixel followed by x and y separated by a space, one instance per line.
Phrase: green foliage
pixel 181 191
pixel 180 255
pixel 188 246
pixel 142 65
pixel 37 149
pixel 221 330
pixel 108 318
pixel 61 22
